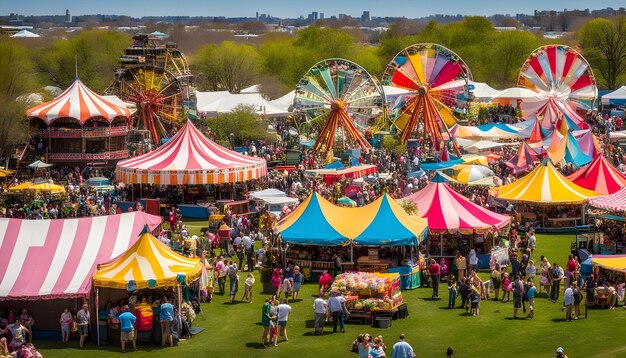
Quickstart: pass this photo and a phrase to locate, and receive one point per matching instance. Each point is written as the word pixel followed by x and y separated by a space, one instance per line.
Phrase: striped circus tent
pixel 147 264
pixel 450 212
pixel 55 259
pixel 523 160
pixel 381 223
pixel 190 158
pixel 611 202
pixel 80 103
pixel 599 176
pixel 544 185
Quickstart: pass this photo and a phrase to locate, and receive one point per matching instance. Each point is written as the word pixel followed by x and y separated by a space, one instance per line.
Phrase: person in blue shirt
pixel 531 293
pixel 167 315
pixel 402 349
pixel 127 328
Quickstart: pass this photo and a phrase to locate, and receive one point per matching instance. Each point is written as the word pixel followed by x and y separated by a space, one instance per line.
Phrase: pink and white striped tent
pixel 49 259
pixel 190 158
pixel 611 202
pixel 450 212
pixel 80 103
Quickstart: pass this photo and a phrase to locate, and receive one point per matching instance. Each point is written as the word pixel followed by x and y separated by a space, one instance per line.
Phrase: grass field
pixel 234 330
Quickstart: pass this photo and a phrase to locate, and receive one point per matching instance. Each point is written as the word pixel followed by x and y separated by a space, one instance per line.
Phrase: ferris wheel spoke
pixel 314 87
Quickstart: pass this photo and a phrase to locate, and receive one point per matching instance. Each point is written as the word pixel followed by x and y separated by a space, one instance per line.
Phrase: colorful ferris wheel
pixel 436 84
pixel 563 78
pixel 343 98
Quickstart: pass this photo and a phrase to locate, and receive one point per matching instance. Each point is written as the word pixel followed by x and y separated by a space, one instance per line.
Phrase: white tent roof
pixel 484 145
pixel 483 91
pixel 229 102
pixel 24 33
pixel 519 93
pixel 206 98
pixel 118 101
pixel 619 93
pixel 284 102
pixel 251 89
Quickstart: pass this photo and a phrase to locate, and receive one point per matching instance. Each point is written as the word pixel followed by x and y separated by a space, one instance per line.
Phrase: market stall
pixel 454 222
pixel 371 296
pixel 374 237
pixel 147 270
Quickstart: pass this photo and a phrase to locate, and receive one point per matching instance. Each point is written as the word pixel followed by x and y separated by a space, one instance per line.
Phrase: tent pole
pixel 180 297
pixel 352 253
pixel 97 323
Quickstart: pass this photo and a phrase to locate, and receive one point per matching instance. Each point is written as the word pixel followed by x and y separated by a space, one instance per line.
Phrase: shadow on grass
pixel 255 345
pixel 466 314
pixel 309 323
pixel 430 299
pixel 227 303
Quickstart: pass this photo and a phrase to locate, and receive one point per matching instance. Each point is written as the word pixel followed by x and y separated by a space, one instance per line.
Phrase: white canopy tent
pixel 24 33
pixel 285 102
pixel 273 199
pixel 483 92
pixel 485 145
pixel 617 97
pixel 229 102
pixel 511 95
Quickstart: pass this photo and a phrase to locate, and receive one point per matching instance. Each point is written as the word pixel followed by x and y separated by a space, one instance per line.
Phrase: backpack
pixel 524 294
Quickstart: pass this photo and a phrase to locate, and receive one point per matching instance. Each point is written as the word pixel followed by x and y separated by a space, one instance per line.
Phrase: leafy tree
pixel 239 127
pixel 13 128
pixel 604 45
pixel 506 55
pixel 228 66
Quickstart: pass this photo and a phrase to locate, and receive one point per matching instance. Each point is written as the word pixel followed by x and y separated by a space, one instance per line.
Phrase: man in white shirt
pixel 248 250
pixel 319 306
pixel 283 315
pixel 335 306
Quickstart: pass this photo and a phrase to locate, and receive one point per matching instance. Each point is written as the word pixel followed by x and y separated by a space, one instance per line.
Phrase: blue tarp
pixel 194 211
pixel 441 165
pixel 312 228
pixel 416 174
pixel 334 165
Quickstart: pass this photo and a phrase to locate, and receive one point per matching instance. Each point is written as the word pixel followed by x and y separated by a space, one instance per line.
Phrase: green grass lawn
pixel 430 328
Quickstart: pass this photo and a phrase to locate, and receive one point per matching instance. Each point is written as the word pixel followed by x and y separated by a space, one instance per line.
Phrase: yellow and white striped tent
pixel 147 264
pixel 544 185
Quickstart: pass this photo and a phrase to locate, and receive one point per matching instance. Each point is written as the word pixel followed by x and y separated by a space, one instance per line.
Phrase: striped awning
pixel 190 158
pixel 80 103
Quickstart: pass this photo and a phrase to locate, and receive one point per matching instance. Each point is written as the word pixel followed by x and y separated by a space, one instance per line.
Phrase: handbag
pixel 543 280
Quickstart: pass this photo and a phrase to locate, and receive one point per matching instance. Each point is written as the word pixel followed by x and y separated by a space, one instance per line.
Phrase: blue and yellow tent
pixel 382 223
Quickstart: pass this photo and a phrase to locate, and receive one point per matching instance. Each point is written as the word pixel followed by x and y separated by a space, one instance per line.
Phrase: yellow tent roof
pixel 22 186
pixel 543 185
pixel 610 262
pixel 47 187
pixel 147 264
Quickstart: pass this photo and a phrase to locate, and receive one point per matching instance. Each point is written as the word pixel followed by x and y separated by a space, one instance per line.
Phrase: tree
pixel 506 55
pixel 239 127
pixel 13 127
pixel 228 66
pixel 604 45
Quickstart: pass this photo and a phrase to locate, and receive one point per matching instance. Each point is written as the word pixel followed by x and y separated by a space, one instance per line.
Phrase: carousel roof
pixel 600 176
pixel 190 158
pixel 78 102
pixel 450 212
pixel 543 185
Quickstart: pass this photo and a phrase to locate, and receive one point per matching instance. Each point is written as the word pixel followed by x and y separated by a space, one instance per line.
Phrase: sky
pixel 294 8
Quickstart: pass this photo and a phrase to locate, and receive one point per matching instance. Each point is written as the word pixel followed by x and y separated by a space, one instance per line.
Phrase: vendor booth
pixel 375 237
pixel 455 223
pixel 148 270
pixel 273 200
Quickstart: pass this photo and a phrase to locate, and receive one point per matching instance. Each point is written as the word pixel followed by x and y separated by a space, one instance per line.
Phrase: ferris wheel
pixel 156 79
pixel 342 97
pixel 436 81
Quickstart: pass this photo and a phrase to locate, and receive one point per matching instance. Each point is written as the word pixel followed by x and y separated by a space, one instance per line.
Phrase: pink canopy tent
pixel 588 143
pixel 51 259
pixel 599 176
pixel 611 202
pixel 450 212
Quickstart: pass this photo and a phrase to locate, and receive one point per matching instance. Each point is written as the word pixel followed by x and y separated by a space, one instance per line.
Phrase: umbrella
pixel 47 187
pixel 39 164
pixel 345 201
pixel 470 173
pixel 6 172
pixel 22 186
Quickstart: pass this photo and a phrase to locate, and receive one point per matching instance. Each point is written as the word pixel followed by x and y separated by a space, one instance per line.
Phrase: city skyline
pixel 291 9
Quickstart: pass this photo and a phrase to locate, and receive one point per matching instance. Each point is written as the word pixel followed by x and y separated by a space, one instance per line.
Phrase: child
pixel 474 298
pixel 507 287
pixel 298 280
pixel 452 292
pixel 530 294
pixel 286 288
pixel 247 293
pixel 531 270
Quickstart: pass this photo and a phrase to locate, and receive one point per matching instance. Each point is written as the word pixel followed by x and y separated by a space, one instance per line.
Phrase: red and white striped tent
pixel 50 259
pixel 80 103
pixel 611 202
pixel 190 158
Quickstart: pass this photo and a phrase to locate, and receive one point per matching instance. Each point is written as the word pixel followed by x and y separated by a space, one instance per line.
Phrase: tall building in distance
pixel 313 17
pixel 68 17
pixel 321 16
pixel 365 16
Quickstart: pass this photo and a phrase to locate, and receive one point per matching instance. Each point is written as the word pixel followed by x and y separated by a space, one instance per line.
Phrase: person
pixel 17 332
pixel 27 319
pixel 283 315
pixel 496 281
pixel 127 329
pixel 378 349
pixel 518 292
pixel 166 316
pixel 325 281
pixel 298 280
pixel 336 304
pixel 320 308
pixel 365 346
pixel 234 287
pixel 83 320
pixel 532 292
pixel 532 241
pixel 266 321
pixel 402 349
pixel 568 302
pixel 450 352
pixel 461 265
pixel 232 276
pixel 464 292
pixel 276 280
pixel 531 270
pixel 560 353
pixel 590 288
pixel 473 259
pixel 220 272
pixel 433 269
pixel 578 297
pixel 544 279
pixel 506 287
pixel 274 321
pixel 66 321
pixel 4 349
pixel 247 292
pixel 474 299
pixel 452 292
pixel 555 274
pixel 337 264
pixel 287 287
pixel 571 269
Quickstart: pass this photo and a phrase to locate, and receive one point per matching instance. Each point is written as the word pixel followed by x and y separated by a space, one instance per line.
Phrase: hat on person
pixel 560 350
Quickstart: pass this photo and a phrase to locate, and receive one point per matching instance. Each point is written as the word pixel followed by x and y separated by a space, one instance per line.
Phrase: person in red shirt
pixel 571 269
pixel 325 281
pixel 434 270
